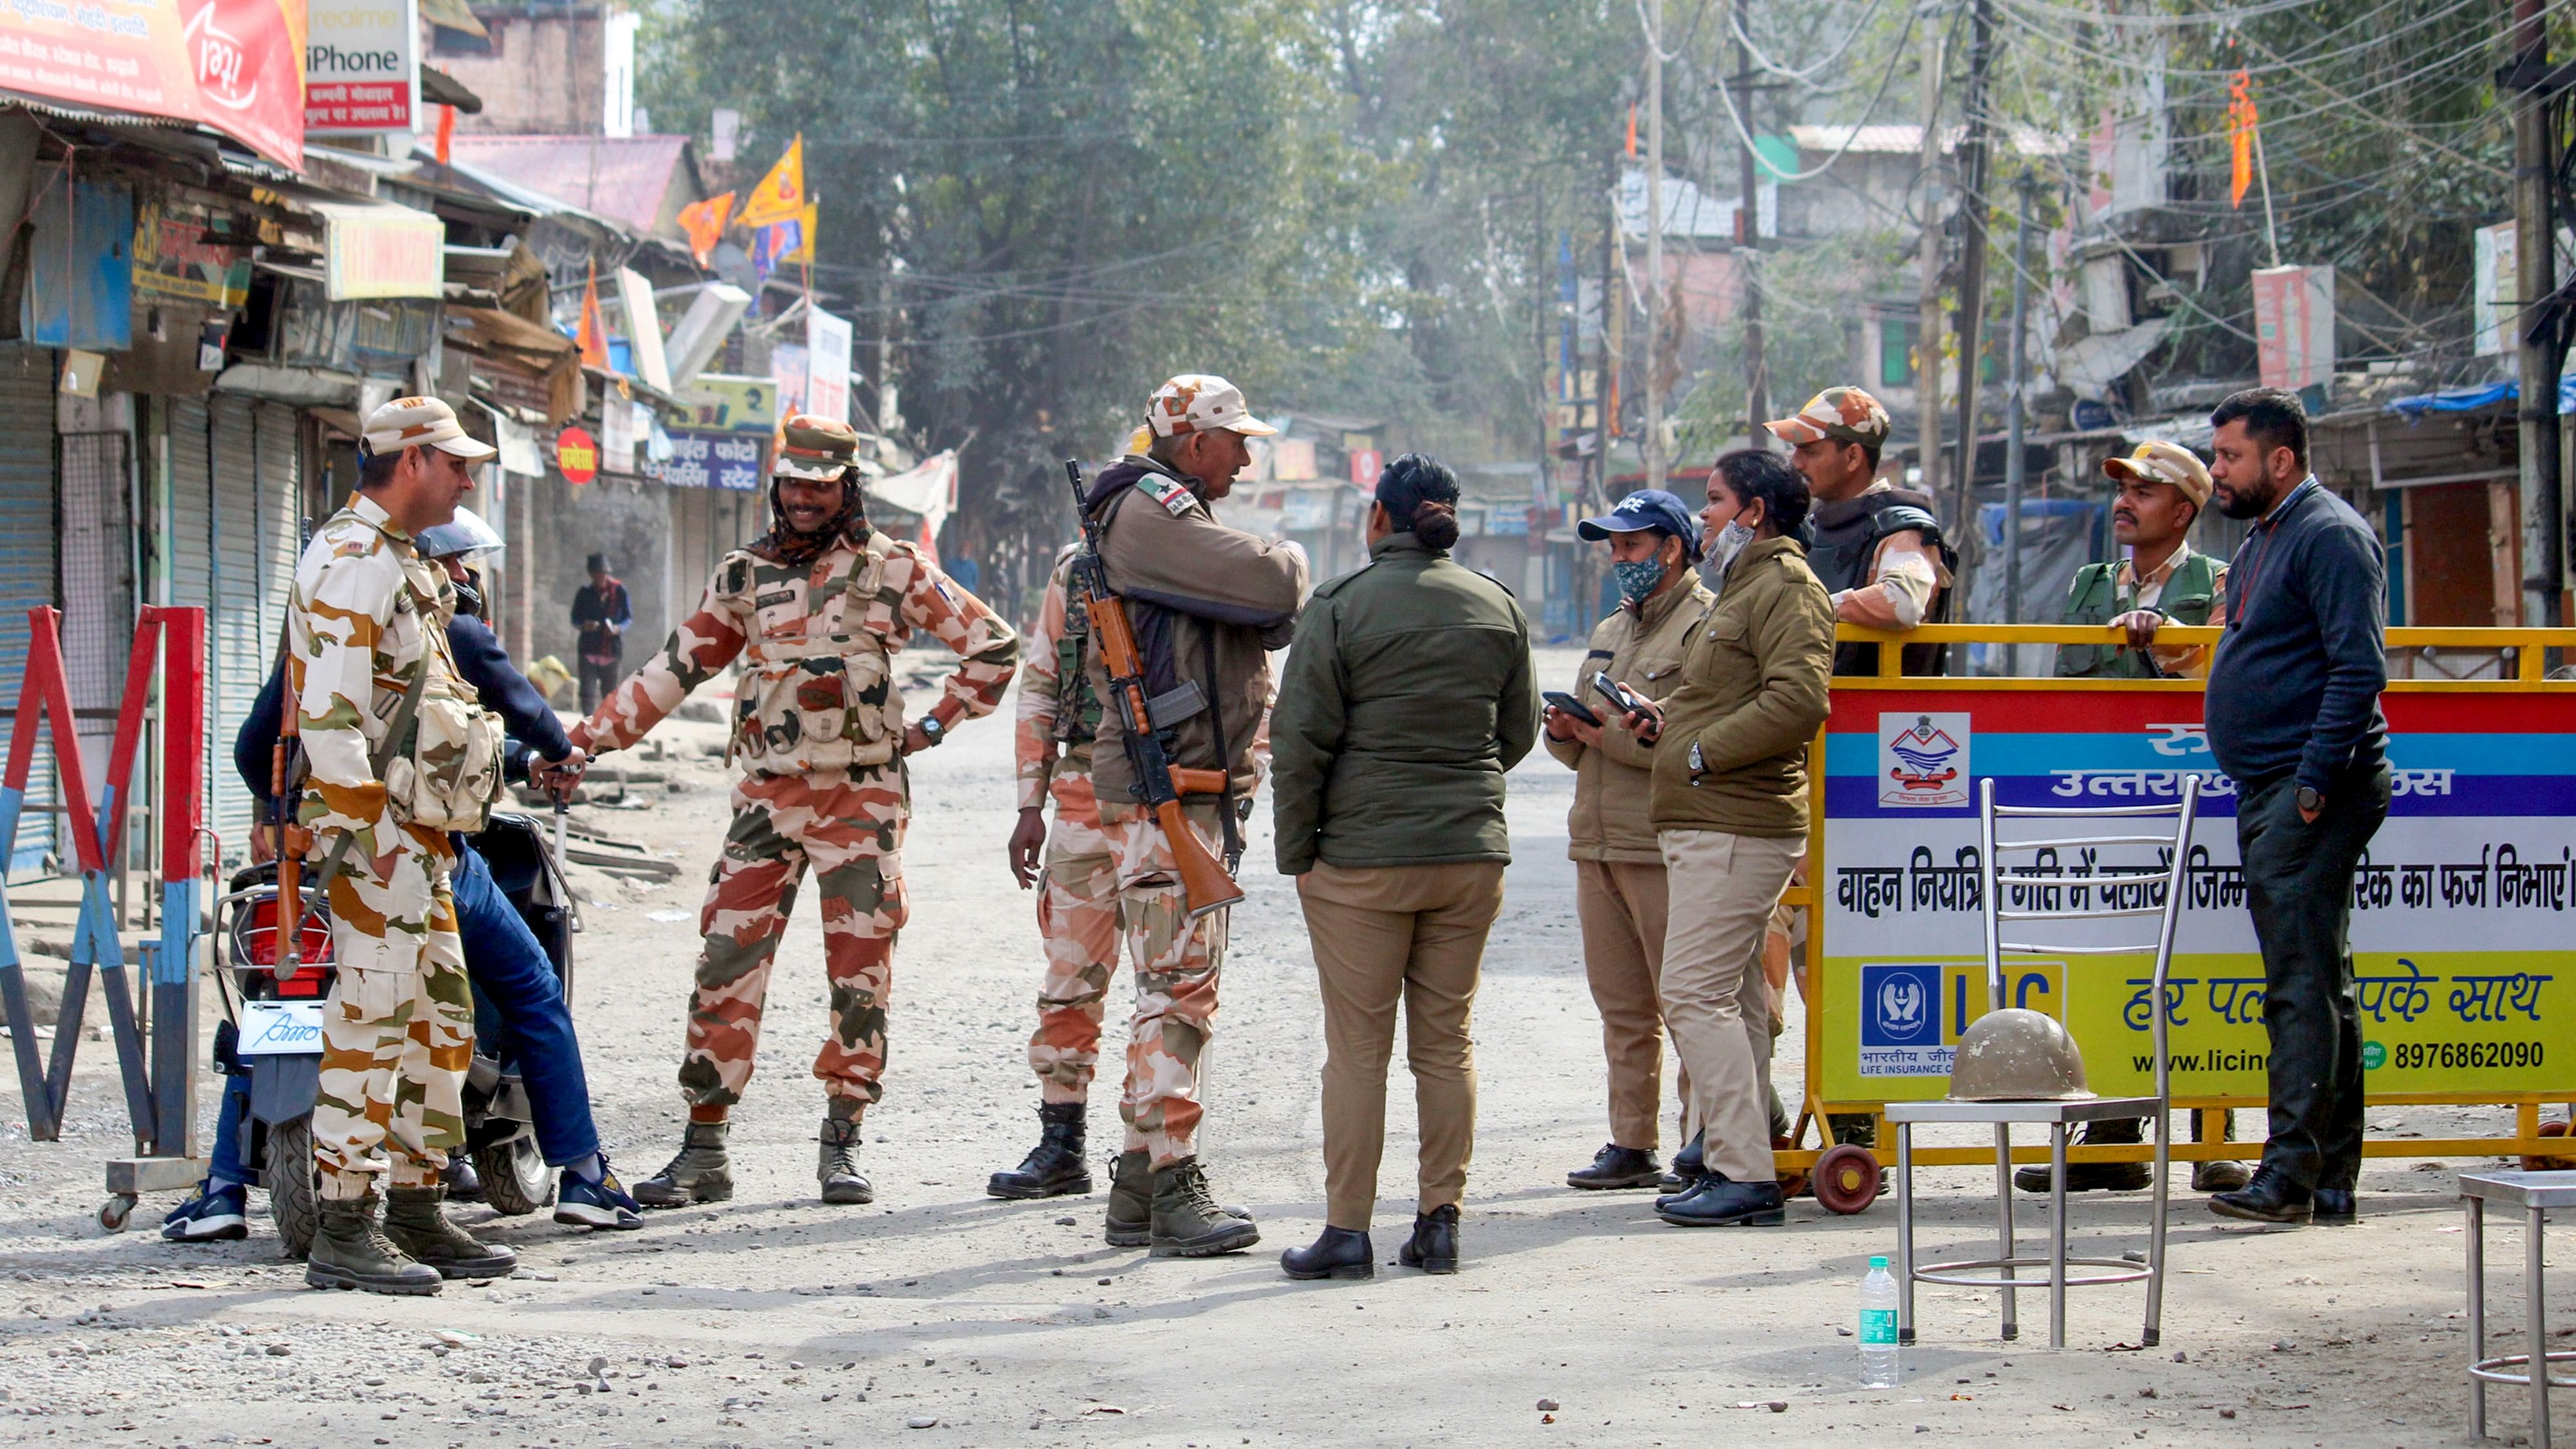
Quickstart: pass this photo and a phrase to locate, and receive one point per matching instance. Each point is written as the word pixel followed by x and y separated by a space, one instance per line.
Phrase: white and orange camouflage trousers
pixel 1078 924
pixel 1177 962
pixel 398 1028
pixel 848 827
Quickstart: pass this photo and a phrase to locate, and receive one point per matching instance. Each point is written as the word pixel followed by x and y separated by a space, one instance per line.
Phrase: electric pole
pixel 2536 281
pixel 2016 414
pixel 1655 319
pixel 1748 237
pixel 1974 149
pixel 1927 349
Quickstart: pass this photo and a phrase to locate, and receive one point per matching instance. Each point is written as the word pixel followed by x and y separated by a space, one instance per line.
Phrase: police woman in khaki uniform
pixel 1619 894
pixel 1730 811
pixel 1407 697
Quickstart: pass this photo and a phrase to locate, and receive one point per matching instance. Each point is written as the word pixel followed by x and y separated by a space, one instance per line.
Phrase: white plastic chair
pixel 2057 1116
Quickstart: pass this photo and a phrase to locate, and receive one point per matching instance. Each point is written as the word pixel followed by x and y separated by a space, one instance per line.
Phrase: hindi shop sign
pixel 228 64
pixel 2458 917
pixel 362 67
pixel 714 460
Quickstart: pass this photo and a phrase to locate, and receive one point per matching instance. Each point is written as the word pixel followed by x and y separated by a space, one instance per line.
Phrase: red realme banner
pixel 234 65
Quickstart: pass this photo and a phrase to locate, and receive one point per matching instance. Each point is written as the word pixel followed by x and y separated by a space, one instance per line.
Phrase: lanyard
pixel 2240 583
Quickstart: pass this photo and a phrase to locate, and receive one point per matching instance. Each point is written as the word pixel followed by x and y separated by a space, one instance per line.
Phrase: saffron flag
pixel 780 196
pixel 445 143
pixel 704 221
pixel 593 334
pixel 2242 118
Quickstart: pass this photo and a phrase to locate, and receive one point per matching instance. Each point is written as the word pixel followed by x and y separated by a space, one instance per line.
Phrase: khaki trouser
pixel 1723 890
pixel 1380 934
pixel 1621 905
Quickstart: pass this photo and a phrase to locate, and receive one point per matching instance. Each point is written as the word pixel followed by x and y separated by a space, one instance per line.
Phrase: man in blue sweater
pixel 2294 721
pixel 514 984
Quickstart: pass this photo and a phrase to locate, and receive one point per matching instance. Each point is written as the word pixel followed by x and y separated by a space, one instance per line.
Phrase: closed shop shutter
pixel 236 619
pixel 26 555
pixel 188 543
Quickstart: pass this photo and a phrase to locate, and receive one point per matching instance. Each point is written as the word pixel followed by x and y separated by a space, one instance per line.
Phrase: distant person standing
pixel 602 612
pixel 2294 721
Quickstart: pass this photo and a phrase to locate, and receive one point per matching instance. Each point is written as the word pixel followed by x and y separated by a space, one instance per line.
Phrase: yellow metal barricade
pixel 2457 916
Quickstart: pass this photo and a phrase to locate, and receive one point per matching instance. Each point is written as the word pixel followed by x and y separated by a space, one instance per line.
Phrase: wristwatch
pixel 932 730
pixel 2310 800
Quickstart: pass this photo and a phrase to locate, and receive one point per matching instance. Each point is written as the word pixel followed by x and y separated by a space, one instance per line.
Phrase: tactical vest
pixel 1846 539
pixel 1077 707
pixel 817 690
pixel 2188 595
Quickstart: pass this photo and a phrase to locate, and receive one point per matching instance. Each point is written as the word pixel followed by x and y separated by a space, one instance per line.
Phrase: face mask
pixel 1638 578
pixel 1729 542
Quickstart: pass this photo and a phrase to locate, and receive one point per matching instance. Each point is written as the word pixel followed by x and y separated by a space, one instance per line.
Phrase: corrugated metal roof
pixel 623 178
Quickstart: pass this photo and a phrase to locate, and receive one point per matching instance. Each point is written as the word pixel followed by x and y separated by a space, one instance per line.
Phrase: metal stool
pixel 2057 1116
pixel 2536 1193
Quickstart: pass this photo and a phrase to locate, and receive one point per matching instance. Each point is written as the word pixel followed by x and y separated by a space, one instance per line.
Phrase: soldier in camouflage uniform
pixel 816 610
pixel 1207 603
pixel 367 618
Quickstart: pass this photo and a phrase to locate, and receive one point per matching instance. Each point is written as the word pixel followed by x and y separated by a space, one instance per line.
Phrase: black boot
pixel 2095 1176
pixel 2270 1198
pixel 1338 1253
pixel 1689 1167
pixel 1433 1248
pixel 1615 1166
pixel 1717 1202
pixel 1054 1167
pixel 1187 1223
pixel 836 1164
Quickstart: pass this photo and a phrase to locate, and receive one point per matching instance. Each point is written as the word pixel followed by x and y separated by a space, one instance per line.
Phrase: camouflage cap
pixel 1843 413
pixel 2161 462
pixel 811 445
pixel 1198 402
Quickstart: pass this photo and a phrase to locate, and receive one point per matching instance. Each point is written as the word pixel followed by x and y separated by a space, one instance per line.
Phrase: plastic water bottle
pixel 1878 1327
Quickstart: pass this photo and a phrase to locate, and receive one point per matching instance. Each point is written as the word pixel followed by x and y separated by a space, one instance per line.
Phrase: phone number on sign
pixel 2468 1055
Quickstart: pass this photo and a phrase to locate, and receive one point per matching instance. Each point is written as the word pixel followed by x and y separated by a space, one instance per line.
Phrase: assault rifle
pixel 1205 885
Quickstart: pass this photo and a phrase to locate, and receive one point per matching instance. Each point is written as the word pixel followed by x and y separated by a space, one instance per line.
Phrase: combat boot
pixel 701 1172
pixel 837 1164
pixel 1054 1167
pixel 1187 1223
pixel 1131 1201
pixel 417 1224
pixel 350 1251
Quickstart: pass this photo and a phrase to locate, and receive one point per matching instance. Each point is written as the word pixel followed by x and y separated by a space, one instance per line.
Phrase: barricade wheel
pixel 1846 1179
pixel 112 1214
pixel 2541 1163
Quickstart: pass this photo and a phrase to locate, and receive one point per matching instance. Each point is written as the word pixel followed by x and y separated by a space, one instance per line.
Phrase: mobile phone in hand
pixel 1621 697
pixel 1567 704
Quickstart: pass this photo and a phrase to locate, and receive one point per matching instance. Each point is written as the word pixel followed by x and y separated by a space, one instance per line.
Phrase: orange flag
pixel 1632 133
pixel 446 140
pixel 593 335
pixel 705 223
pixel 2242 118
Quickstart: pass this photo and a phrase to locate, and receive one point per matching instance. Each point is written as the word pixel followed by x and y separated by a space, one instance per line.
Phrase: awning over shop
pixel 378 249
pixel 2472 399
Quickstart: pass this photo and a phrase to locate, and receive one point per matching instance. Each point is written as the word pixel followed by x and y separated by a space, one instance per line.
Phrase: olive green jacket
pixel 1642 649
pixel 1407 695
pixel 1754 676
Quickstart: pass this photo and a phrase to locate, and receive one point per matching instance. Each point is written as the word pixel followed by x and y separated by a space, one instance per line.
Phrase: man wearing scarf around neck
pixel 816 610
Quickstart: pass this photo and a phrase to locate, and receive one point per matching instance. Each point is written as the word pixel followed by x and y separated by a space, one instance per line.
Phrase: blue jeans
pixel 226 1162
pixel 519 1012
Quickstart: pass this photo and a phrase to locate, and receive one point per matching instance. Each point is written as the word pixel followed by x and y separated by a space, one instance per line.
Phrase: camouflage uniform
pixel 818 731
pixel 367 616
pixel 1078 884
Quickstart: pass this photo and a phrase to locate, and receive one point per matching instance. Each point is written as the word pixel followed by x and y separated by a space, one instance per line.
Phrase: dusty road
pixel 945 1316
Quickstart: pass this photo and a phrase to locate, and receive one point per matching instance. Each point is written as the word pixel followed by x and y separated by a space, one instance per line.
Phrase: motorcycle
pixel 274 1036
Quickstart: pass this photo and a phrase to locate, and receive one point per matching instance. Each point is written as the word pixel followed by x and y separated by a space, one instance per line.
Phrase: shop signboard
pixel 723 404
pixel 827 361
pixel 182 252
pixel 362 67
pixel 576 456
pixel 2456 908
pixel 233 65
pixel 728 461
pixel 377 249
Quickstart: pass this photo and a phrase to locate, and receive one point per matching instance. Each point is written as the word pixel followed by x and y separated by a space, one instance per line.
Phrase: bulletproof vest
pixel 1077 707
pixel 817 690
pixel 2187 598
pixel 1847 535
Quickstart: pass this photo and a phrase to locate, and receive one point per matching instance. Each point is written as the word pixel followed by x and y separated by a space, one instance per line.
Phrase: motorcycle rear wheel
pixel 287 1173
pixel 516 1180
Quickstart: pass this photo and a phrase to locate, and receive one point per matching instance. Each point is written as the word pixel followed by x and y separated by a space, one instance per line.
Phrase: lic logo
pixel 1903 1005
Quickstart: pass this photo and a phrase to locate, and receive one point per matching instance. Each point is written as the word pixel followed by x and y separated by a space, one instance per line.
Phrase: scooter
pixel 276 1032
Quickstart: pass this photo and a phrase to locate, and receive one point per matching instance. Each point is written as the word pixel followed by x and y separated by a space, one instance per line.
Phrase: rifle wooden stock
pixel 1198 782
pixel 1205 886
